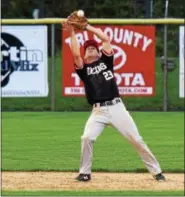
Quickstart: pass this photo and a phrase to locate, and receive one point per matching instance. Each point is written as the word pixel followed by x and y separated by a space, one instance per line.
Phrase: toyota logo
pixel 120 57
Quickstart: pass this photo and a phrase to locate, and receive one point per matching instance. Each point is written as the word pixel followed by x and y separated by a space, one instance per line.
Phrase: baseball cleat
pixel 83 177
pixel 159 177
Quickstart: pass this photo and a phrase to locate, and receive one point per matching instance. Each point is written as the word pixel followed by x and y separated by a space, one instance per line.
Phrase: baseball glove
pixel 76 21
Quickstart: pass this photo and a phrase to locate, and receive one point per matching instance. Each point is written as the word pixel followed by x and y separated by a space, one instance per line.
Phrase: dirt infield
pixel 100 181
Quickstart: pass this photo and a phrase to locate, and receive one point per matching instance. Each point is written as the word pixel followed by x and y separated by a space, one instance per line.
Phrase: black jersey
pixel 98 79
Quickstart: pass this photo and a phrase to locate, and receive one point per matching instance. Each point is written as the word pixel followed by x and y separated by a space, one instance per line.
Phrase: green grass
pixel 51 141
pixel 93 193
pixel 80 104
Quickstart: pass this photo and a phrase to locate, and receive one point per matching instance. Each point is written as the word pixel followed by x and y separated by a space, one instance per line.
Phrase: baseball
pixel 80 13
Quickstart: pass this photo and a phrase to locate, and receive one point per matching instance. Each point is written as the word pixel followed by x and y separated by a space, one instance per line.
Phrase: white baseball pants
pixel 119 118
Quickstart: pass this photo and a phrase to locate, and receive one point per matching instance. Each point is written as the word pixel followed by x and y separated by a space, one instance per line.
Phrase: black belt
pixel 108 103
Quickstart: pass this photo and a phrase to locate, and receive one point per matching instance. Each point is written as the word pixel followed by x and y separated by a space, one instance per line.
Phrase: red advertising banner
pixel 134 59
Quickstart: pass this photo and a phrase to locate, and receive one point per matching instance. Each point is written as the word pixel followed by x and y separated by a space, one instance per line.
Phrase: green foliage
pixel 97 9
pixel 51 141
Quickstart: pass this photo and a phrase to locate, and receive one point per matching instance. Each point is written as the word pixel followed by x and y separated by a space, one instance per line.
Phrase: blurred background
pixel 126 9
pixel 93 8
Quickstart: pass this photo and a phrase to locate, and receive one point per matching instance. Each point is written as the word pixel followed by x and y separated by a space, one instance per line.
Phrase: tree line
pixel 93 8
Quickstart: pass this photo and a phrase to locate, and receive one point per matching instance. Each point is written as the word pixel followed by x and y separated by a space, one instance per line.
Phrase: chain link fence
pixel 98 9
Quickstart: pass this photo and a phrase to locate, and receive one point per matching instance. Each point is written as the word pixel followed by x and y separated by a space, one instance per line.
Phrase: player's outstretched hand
pixel 77 21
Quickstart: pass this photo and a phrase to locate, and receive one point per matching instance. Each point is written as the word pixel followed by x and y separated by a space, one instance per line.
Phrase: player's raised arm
pixel 75 48
pixel 102 36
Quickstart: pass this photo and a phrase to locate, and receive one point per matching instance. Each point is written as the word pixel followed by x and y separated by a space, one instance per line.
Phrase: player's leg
pixel 123 122
pixel 93 129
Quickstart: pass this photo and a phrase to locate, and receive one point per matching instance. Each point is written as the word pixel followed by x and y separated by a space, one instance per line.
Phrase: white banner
pixel 24 61
pixel 181 61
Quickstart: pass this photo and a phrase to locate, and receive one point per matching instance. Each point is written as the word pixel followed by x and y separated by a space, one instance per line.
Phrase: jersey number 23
pixel 108 75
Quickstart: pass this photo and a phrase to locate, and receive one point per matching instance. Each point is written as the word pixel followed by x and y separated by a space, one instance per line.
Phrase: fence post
pixel 52 67
pixel 165 74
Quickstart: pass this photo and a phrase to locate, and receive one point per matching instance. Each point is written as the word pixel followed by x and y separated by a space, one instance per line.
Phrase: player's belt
pixel 108 103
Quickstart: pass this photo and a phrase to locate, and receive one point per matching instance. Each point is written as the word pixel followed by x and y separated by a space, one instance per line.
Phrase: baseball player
pixel 96 72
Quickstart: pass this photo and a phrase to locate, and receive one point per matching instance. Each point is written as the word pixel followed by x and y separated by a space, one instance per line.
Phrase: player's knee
pixel 87 138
